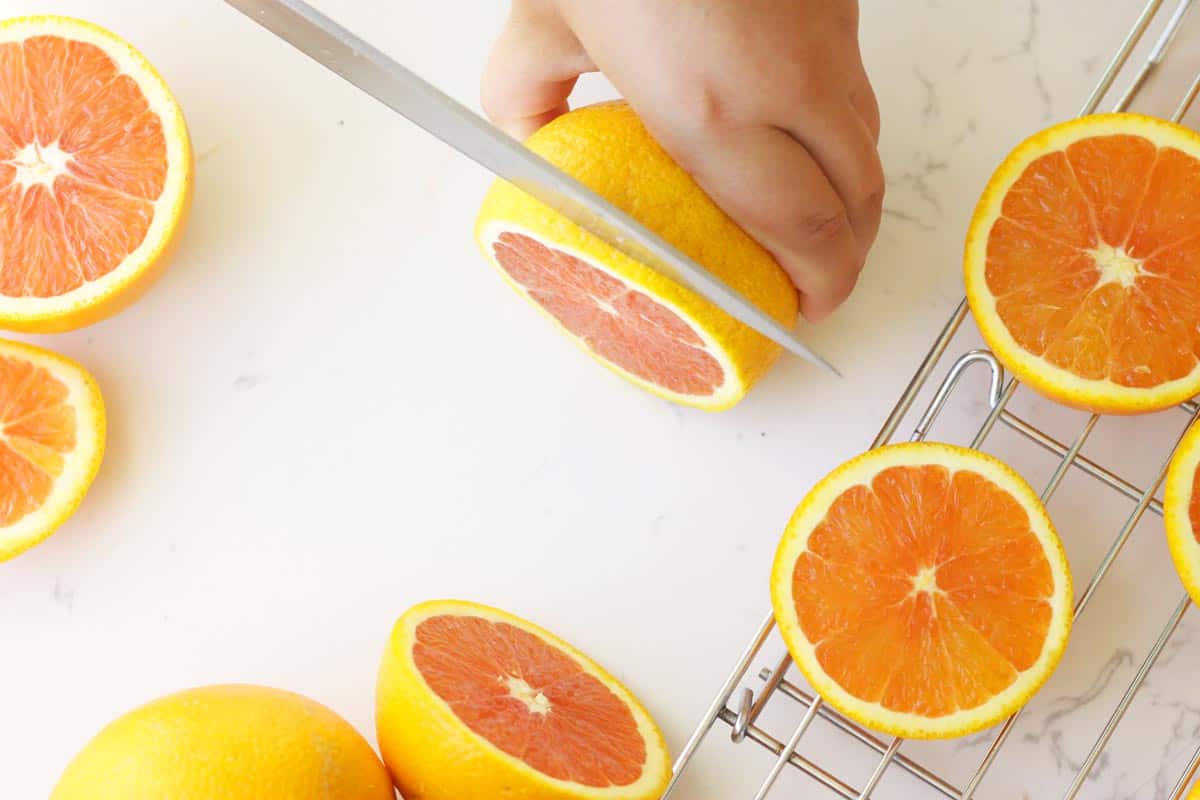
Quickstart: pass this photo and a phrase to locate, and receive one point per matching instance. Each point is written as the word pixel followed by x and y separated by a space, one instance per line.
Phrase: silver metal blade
pixel 395 86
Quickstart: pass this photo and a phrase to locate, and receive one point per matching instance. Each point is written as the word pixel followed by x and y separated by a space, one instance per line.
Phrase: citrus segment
pixel 234 742
pixel 51 442
pixel 1082 262
pixel 95 173
pixel 645 327
pixel 922 590
pixel 1181 510
pixel 517 712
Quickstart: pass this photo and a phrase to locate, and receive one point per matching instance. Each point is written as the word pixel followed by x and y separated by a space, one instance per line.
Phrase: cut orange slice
pixel 51 442
pixel 1083 263
pixel 474 702
pixel 1181 511
pixel 922 590
pixel 643 326
pixel 95 173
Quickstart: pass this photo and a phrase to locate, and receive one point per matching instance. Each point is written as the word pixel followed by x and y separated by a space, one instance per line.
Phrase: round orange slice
pixel 51 442
pixel 95 173
pixel 922 590
pixel 646 328
pixel 1083 263
pixel 1181 511
pixel 474 702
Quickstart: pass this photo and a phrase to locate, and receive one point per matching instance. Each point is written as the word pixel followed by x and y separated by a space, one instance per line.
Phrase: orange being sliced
pixel 51 442
pixel 1181 511
pixel 476 703
pixel 1083 263
pixel 922 590
pixel 646 328
pixel 95 173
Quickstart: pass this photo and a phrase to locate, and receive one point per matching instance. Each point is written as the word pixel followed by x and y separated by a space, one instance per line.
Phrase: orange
pixel 1181 511
pixel 1083 263
pixel 95 173
pixel 232 742
pixel 51 442
pixel 922 590
pixel 643 326
pixel 476 703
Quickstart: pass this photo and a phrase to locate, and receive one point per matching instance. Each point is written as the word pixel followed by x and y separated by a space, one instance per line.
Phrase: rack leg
pixel 714 710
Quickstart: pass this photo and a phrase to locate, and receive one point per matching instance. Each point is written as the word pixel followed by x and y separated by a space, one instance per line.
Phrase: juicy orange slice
pixel 95 173
pixel 1083 263
pixel 474 702
pixel 51 442
pixel 1181 511
pixel 922 590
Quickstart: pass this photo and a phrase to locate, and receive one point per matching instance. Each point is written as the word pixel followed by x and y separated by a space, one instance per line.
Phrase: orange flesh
pixel 1194 506
pixel 925 592
pixel 1105 194
pixel 65 224
pixel 38 432
pixel 619 324
pixel 530 700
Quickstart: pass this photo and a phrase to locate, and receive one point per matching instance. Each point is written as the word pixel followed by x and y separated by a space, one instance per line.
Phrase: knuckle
pixel 821 226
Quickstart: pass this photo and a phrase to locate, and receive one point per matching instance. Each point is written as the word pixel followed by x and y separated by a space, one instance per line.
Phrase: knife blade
pixel 423 104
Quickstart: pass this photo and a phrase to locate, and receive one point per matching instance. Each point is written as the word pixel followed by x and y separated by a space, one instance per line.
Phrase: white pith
pixel 534 700
pixel 1115 265
pixel 925 580
pixel 36 163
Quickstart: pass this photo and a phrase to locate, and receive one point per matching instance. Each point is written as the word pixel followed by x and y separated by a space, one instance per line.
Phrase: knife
pixel 380 76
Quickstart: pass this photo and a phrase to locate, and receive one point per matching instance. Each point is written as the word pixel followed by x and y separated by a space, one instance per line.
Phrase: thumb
pixel 531 71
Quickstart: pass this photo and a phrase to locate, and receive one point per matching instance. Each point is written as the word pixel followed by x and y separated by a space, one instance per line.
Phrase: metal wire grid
pixel 742 717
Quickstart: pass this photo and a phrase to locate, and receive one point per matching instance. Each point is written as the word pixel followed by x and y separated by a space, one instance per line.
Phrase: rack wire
pixel 742 716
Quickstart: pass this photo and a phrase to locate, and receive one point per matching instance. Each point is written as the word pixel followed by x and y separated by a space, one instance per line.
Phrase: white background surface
pixel 331 409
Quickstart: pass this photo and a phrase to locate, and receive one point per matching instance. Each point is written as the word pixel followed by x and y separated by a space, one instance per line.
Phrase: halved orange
pixel 1181 511
pixel 95 173
pixel 643 326
pixel 1083 263
pixel 476 703
pixel 922 590
pixel 51 442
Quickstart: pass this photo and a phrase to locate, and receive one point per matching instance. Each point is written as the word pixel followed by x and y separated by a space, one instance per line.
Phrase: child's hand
pixel 765 102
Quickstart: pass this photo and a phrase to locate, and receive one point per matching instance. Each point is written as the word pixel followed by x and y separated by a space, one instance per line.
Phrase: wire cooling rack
pixel 743 714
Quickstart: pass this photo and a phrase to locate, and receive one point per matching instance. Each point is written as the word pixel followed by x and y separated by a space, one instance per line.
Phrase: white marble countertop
pixel 331 408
